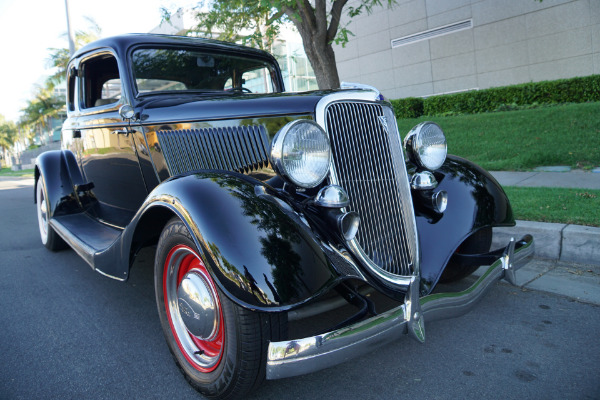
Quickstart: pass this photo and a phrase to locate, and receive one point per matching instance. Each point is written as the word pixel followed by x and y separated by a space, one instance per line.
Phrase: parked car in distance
pixel 292 230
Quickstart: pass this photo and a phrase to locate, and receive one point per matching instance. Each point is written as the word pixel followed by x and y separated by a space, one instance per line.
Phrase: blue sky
pixel 29 27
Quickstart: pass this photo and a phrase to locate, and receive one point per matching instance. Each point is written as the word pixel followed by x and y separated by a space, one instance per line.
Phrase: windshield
pixel 184 70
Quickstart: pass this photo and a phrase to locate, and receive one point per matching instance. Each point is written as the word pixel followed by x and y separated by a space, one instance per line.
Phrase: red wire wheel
pixel 193 308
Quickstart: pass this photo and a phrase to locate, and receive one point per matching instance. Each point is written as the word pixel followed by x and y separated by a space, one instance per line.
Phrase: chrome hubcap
pixel 197 306
pixel 193 308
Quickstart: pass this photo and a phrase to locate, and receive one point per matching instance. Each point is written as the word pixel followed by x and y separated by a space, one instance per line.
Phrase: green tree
pixel 8 134
pixel 59 58
pixel 318 22
pixel 227 19
pixel 39 110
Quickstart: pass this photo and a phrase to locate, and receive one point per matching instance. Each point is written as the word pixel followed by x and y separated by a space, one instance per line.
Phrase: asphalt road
pixel 67 332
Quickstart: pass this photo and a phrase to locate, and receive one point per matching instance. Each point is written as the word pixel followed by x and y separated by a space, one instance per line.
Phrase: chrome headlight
pixel 426 145
pixel 300 153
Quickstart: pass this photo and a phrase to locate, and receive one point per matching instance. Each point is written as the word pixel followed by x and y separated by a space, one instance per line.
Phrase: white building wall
pixel 511 41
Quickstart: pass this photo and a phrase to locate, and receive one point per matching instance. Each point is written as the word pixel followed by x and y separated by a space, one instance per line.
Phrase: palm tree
pixel 8 134
pixel 59 58
pixel 44 106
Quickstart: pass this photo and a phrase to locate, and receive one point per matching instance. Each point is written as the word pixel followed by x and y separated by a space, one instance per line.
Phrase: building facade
pixel 426 47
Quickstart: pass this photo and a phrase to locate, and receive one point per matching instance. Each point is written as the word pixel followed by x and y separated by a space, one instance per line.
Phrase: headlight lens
pixel 301 154
pixel 426 145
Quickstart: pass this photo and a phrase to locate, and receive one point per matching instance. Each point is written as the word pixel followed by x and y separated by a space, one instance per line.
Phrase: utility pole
pixel 69 31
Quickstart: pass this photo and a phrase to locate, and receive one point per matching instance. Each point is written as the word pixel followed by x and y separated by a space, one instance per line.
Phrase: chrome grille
pixel 239 148
pixel 368 164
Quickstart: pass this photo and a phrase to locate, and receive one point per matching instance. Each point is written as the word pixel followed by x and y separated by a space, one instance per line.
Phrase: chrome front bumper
pixel 302 356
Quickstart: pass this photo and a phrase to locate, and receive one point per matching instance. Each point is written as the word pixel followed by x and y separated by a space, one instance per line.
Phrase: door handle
pixel 120 132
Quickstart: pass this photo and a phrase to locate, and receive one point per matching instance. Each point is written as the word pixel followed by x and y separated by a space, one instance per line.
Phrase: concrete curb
pixel 561 242
pixel 576 281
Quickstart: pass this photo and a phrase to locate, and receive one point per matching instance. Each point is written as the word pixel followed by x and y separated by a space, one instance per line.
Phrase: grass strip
pixel 567 134
pixel 24 173
pixel 566 206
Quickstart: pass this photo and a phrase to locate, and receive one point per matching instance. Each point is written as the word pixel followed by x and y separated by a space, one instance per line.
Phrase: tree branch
pixel 307 13
pixel 275 16
pixel 321 16
pixel 336 14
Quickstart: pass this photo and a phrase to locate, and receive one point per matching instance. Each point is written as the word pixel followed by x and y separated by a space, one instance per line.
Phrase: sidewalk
pixel 573 250
pixel 576 179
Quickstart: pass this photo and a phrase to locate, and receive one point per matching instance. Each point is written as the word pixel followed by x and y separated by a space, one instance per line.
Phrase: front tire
pixel 219 346
pixel 48 235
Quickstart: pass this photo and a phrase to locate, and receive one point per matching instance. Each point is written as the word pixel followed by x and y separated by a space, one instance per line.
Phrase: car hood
pixel 201 108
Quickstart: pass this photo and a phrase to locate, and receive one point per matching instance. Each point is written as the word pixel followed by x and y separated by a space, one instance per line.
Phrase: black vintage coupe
pixel 292 230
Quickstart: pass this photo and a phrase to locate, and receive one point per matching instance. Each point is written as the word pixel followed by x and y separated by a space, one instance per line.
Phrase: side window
pixel 101 82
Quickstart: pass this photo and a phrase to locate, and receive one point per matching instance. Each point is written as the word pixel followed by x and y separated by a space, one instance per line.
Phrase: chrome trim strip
pixel 295 357
pixel 401 177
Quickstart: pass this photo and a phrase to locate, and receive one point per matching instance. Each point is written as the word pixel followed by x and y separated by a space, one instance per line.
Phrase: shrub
pixel 575 90
pixel 410 107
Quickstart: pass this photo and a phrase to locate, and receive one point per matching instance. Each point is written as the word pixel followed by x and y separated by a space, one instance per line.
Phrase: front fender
pixel 475 200
pixel 259 254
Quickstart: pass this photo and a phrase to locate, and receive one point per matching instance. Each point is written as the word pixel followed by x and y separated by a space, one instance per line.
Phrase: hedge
pixel 575 90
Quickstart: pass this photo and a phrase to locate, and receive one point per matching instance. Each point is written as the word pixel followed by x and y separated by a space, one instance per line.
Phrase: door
pixel 109 156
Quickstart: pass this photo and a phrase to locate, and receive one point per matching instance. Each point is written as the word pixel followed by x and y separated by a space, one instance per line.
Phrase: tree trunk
pixel 317 47
pixel 322 60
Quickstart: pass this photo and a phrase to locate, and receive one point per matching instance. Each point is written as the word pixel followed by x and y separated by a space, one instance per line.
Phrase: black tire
pixel 478 243
pixel 234 341
pixel 48 235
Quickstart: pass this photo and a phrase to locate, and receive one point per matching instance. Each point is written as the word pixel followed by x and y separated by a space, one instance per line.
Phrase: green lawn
pixel 567 206
pixel 524 139
pixel 22 173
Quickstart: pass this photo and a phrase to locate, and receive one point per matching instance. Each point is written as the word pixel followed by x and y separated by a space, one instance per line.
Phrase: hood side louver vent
pixel 241 148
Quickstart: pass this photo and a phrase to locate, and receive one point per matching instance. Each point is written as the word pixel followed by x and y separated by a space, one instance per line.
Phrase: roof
pixel 122 43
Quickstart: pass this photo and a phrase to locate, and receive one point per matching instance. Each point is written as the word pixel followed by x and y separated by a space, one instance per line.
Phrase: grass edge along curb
pixel 574 90
pixel 558 205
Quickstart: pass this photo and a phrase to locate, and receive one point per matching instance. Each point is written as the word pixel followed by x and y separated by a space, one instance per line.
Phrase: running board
pixel 88 237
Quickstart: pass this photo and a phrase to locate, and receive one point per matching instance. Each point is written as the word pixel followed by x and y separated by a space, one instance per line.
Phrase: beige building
pixel 427 47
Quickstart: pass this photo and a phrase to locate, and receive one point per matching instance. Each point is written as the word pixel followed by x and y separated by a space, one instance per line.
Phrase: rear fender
pixel 475 200
pixel 262 255
pixel 61 174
